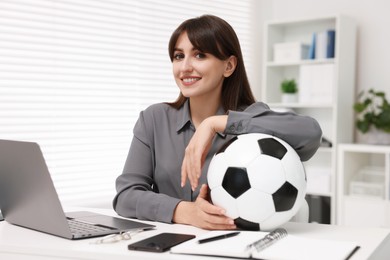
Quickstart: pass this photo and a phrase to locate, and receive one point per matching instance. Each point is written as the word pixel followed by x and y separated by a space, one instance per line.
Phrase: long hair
pixel 213 35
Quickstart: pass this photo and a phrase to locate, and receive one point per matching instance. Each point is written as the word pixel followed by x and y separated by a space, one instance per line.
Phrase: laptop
pixel 28 198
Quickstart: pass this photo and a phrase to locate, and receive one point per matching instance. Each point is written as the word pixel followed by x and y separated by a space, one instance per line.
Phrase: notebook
pixel 288 247
pixel 28 198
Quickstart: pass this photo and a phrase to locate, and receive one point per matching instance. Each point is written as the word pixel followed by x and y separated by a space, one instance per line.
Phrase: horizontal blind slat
pixel 75 75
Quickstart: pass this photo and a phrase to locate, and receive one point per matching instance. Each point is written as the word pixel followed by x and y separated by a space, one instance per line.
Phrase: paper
pixel 291 247
pixel 299 248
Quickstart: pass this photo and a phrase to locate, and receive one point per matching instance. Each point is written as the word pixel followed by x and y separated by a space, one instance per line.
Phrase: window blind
pixel 74 76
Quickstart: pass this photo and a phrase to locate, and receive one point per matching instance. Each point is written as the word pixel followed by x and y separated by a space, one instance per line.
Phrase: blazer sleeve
pixel 303 133
pixel 137 196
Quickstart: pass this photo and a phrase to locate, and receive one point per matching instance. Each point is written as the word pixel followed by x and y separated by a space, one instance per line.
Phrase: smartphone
pixel 160 243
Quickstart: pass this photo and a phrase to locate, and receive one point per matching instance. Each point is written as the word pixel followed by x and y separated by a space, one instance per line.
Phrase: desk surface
pixel 21 243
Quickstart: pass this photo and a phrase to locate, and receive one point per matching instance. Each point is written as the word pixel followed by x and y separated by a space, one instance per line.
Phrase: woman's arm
pixel 198 148
pixel 303 133
pixel 136 196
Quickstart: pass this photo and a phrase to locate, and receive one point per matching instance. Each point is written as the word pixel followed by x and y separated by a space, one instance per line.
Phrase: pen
pixel 205 240
pixel 352 253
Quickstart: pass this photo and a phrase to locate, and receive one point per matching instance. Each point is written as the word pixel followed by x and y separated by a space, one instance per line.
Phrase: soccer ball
pixel 259 180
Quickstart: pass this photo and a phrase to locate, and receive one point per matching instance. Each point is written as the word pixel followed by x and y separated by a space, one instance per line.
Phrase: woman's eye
pixel 200 55
pixel 178 56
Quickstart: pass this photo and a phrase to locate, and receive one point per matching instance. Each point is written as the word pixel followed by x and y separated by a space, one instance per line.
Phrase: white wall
pixel 262 11
pixel 373 42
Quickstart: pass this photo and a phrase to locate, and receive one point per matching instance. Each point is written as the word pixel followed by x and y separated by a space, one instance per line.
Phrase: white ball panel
pixel 243 150
pixel 222 199
pixel 295 173
pixel 255 206
pixel 216 171
pixel 276 220
pixel 266 174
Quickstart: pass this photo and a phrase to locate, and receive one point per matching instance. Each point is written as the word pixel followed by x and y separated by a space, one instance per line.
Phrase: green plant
pixel 289 86
pixel 374 110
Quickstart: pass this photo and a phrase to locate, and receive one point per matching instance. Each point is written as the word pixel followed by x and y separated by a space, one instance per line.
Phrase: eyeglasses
pixel 117 237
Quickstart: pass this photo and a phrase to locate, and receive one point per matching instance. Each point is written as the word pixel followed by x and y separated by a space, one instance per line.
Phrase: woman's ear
pixel 231 64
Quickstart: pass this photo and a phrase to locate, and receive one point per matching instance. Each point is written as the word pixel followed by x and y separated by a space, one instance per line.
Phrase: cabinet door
pixel 359 211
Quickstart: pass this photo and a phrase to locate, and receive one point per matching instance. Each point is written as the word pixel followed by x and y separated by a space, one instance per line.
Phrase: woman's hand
pixel 198 147
pixel 202 213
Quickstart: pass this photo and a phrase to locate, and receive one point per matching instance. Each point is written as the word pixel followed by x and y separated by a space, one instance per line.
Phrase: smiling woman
pixel 76 74
pixel 164 177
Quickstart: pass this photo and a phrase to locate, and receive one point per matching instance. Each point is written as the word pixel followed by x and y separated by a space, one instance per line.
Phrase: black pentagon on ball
pixel 272 147
pixel 247 225
pixel 236 181
pixel 284 198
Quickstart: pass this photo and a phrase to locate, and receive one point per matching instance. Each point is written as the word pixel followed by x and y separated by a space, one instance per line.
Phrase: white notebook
pixel 290 247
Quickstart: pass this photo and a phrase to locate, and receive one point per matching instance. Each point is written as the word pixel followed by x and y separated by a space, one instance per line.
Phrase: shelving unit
pixel 363 200
pixel 336 116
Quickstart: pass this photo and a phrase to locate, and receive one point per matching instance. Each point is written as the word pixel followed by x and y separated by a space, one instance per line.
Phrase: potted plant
pixel 289 91
pixel 373 111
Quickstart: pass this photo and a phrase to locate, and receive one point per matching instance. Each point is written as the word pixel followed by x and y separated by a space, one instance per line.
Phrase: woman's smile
pixel 188 81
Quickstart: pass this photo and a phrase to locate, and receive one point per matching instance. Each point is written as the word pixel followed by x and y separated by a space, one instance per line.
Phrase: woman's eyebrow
pixel 180 49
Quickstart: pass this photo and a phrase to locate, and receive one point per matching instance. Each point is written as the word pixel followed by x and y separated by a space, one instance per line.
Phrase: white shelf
pixel 335 114
pixel 299 63
pixel 301 105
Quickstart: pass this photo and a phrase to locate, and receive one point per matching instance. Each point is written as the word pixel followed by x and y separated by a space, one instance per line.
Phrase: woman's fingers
pixel 191 166
pixel 201 213
pixel 213 216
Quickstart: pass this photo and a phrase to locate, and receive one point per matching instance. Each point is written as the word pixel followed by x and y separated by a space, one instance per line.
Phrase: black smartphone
pixel 161 242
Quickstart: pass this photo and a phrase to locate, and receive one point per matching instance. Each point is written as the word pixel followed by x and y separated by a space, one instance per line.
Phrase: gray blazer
pixel 149 186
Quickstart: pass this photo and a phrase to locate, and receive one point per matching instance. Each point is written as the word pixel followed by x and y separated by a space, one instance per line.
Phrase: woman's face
pixel 197 74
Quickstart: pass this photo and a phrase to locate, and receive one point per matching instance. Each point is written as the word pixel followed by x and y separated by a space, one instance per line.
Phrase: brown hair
pixel 211 34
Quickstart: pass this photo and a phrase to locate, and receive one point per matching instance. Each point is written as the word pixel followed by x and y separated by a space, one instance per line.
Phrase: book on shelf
pixel 330 43
pixel 250 244
pixel 312 49
pixel 325 44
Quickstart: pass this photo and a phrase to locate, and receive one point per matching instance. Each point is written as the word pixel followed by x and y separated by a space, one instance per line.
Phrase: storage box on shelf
pixel 290 52
pixel 328 98
pixel 363 185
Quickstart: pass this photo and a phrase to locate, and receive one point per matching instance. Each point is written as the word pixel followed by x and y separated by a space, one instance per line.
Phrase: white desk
pixel 20 243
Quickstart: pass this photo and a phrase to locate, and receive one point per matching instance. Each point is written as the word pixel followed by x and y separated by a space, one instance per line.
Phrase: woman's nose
pixel 186 64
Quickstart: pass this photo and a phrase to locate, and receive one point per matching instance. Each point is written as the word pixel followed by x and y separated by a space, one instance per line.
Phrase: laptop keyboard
pixel 78 227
